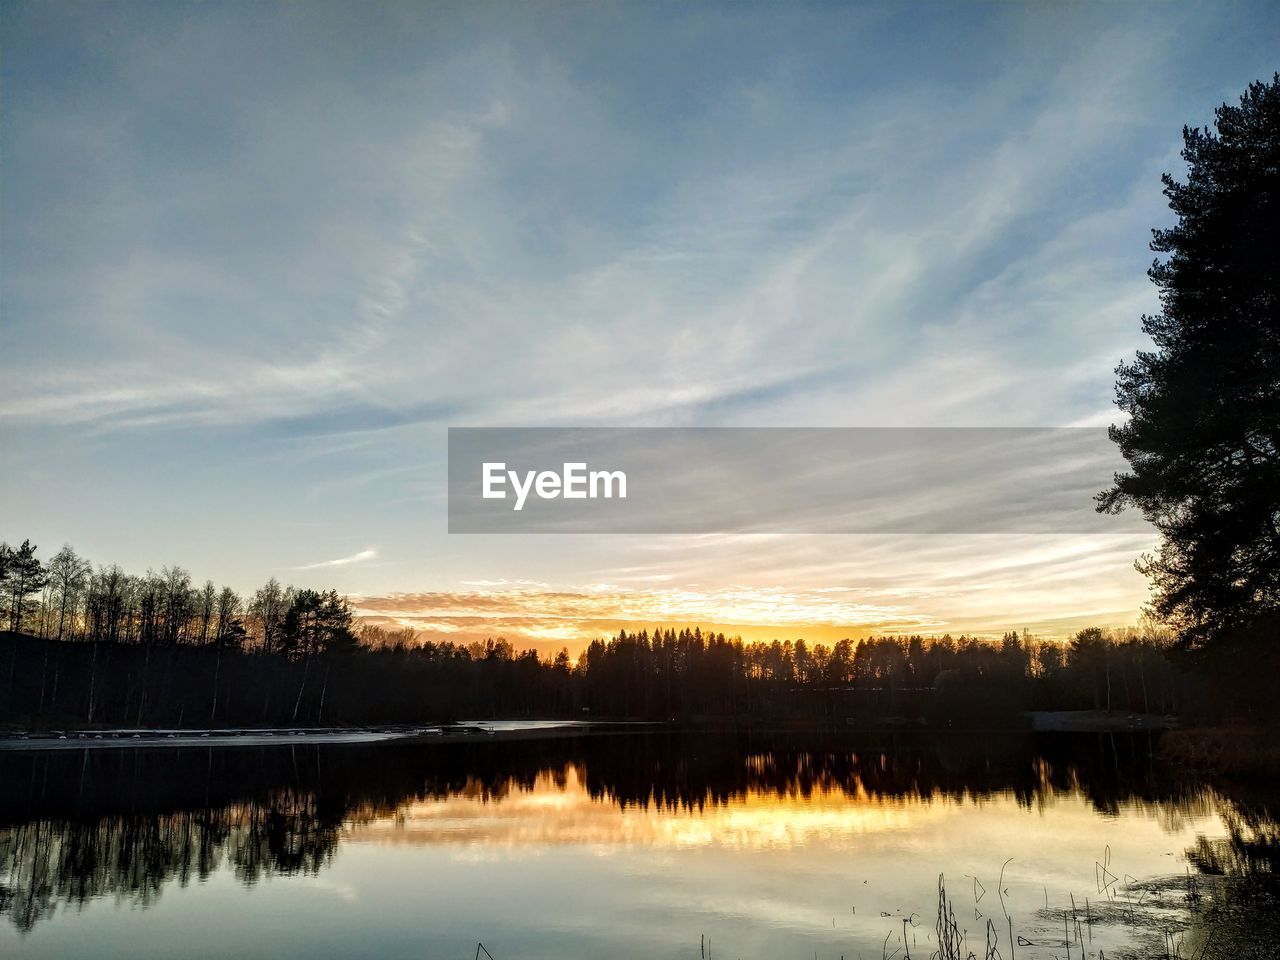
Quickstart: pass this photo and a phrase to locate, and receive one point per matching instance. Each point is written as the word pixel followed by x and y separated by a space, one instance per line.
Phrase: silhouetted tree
pixel 228 625
pixel 6 564
pixel 1203 434
pixel 268 609
pixel 68 574
pixel 24 576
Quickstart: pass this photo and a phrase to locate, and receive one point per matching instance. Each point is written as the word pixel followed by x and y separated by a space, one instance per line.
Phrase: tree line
pixel 671 673
pixel 66 598
pixel 97 646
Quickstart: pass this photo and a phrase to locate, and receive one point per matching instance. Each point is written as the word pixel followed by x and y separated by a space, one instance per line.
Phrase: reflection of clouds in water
pixel 345 892
pixel 558 809
pixel 792 862
pixel 592 846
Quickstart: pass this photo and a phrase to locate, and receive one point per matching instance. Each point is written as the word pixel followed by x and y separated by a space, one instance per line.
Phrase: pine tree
pixel 25 575
pixel 1203 434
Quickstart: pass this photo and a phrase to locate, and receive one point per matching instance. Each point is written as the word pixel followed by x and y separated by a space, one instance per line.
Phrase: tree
pixel 25 575
pixel 268 607
pixel 316 624
pixel 178 603
pixel 206 606
pixel 228 632
pixel 106 607
pixel 229 628
pixel 68 573
pixel 6 567
pixel 1091 650
pixel 1203 434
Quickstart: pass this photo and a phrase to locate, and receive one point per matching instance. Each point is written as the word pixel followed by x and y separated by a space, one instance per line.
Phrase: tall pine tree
pixel 1203 434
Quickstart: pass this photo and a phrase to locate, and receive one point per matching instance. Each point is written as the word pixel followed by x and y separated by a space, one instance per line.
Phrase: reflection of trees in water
pixel 286 834
pixel 1108 771
pixel 48 862
pixel 79 825
pixel 1239 916
pixel 1252 844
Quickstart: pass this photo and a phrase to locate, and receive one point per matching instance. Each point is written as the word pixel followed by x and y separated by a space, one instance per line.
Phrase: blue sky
pixel 256 258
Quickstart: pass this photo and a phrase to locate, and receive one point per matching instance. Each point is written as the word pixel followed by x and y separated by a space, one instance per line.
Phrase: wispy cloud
pixel 550 619
pixel 776 216
pixel 360 557
pixel 505 214
pixel 791 587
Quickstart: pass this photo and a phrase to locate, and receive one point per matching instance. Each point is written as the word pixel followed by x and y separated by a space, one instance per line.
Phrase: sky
pixel 255 259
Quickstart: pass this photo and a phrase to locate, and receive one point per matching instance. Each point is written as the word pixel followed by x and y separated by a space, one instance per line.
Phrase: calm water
pixel 636 845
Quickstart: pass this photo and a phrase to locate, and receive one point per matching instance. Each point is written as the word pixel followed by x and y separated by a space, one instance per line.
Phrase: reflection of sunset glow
pixel 559 810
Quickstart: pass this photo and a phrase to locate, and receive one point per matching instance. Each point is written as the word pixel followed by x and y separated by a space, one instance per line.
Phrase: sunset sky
pixel 256 260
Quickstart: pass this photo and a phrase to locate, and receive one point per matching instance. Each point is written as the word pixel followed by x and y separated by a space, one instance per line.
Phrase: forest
pixel 95 647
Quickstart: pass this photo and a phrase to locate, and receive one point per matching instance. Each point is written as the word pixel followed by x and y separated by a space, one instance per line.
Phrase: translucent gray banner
pixel 781 480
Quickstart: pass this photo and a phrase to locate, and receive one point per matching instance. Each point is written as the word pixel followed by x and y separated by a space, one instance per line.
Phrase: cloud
pixel 278 253
pixel 469 244
pixel 791 588
pixel 360 557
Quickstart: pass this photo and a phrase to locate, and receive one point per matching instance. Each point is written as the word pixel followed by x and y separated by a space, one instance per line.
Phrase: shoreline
pixel 467 731
pixel 1036 722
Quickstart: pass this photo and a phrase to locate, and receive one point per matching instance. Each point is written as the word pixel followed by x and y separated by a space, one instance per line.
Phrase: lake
pixel 646 843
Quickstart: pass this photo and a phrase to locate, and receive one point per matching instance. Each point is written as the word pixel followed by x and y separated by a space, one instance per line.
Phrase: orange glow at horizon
pixel 548 619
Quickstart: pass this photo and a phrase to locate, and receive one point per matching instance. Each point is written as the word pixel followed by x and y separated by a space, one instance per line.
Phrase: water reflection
pixel 126 824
